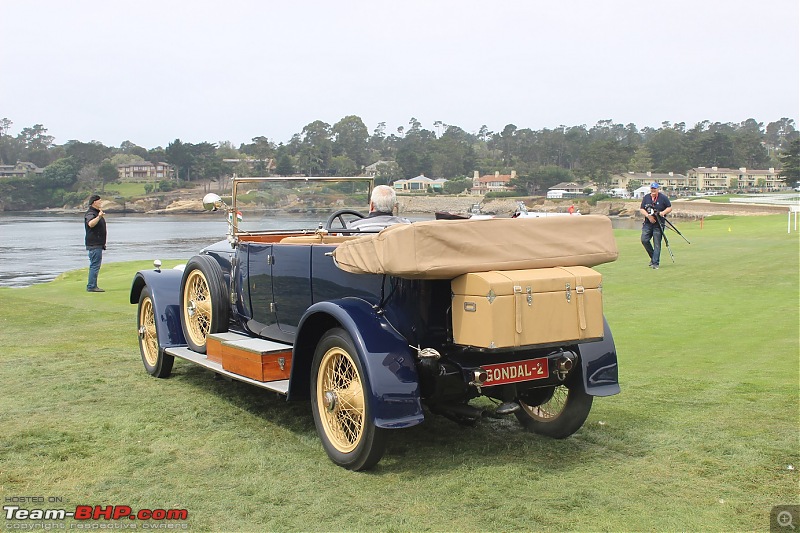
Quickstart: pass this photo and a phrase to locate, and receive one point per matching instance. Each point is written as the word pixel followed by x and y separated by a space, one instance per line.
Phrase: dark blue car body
pixel 294 293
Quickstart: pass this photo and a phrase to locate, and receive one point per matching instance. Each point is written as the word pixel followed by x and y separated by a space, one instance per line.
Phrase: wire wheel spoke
pixel 149 340
pixel 202 307
pixel 198 308
pixel 552 407
pixel 344 419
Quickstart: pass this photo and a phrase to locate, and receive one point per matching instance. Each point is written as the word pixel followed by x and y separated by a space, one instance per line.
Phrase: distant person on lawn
pixel 94 222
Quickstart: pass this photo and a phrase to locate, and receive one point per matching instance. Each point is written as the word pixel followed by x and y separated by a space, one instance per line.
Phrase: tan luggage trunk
pixel 504 309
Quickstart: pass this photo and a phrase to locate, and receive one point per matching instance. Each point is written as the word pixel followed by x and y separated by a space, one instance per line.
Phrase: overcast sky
pixel 151 71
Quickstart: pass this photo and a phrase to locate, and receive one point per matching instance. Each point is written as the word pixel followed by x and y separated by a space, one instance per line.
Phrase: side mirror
pixel 212 202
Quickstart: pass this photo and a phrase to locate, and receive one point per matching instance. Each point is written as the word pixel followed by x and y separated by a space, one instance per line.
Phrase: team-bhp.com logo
pixel 94 513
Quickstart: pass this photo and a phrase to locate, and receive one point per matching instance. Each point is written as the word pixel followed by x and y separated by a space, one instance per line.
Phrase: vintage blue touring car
pixel 371 327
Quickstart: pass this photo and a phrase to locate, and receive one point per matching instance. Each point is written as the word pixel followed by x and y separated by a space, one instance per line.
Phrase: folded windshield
pixel 267 204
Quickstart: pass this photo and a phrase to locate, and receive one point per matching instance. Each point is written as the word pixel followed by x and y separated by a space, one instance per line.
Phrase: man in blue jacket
pixel 94 223
pixel 654 206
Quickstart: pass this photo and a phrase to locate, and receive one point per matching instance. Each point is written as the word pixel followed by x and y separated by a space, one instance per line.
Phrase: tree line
pixel 540 158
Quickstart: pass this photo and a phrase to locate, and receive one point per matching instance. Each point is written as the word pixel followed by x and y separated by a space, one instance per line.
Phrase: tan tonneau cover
pixel 444 249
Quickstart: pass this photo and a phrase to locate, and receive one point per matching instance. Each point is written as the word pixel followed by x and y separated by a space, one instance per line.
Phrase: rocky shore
pixel 502 207
pixel 506 206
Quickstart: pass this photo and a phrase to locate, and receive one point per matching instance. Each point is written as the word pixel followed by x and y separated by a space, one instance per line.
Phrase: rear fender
pixel 599 365
pixel 165 290
pixel 392 384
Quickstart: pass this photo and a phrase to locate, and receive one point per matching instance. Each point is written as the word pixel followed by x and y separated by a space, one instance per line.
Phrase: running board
pixel 280 386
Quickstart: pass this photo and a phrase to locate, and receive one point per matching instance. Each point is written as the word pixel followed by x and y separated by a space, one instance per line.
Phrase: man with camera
pixel 94 223
pixel 654 207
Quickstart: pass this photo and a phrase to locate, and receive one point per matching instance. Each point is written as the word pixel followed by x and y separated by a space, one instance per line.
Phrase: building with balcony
pixel 491 182
pixel 145 171
pixel 719 179
pixel 668 181
pixel 20 170
pixel 705 179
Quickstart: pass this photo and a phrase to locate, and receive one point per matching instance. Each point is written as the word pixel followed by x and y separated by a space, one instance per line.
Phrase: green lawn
pixel 126 189
pixel 700 439
pixel 726 198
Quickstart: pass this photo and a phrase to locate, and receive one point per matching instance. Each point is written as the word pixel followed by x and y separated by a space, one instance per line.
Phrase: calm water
pixel 35 248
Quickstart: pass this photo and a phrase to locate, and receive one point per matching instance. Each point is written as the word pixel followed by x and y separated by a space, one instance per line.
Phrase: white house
pixel 556 193
pixel 419 184
pixel 641 191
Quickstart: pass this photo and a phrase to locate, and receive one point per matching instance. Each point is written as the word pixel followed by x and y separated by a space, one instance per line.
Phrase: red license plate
pixel 527 370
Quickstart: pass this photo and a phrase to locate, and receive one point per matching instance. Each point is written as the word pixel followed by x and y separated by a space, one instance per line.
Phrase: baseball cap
pixel 93 198
pixel 654 185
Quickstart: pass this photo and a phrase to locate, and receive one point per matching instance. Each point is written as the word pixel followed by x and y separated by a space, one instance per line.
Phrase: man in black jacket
pixel 94 223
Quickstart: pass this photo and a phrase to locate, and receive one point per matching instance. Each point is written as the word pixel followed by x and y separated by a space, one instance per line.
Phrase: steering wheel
pixel 339 215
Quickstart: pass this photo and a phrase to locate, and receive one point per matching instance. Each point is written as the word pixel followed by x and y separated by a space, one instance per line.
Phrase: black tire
pixel 558 412
pixel 156 362
pixel 204 303
pixel 340 407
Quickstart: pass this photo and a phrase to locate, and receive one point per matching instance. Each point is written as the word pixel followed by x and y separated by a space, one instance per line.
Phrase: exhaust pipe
pixel 479 377
pixel 564 365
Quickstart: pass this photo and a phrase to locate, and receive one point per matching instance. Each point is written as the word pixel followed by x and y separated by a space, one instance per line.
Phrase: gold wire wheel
pixel 197 307
pixel 340 397
pixel 550 409
pixel 147 332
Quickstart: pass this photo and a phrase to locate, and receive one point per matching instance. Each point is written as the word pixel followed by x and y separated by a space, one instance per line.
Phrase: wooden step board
pixel 214 344
pixel 254 358
pixel 281 386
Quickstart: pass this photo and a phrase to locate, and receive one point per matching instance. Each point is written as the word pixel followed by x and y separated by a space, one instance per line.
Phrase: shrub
pixel 502 194
pixel 598 197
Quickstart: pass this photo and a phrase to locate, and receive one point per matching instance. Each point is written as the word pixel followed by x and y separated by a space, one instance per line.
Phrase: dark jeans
pixel 652 231
pixel 95 259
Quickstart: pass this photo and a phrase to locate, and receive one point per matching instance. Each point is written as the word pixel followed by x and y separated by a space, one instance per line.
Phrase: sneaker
pixel 655 267
pixel 95 289
pixel 650 264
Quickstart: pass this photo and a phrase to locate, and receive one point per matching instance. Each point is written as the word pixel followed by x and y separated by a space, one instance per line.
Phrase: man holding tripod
pixel 654 206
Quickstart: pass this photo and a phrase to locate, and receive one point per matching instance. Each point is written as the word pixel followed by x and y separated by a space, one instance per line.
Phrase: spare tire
pixel 204 305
